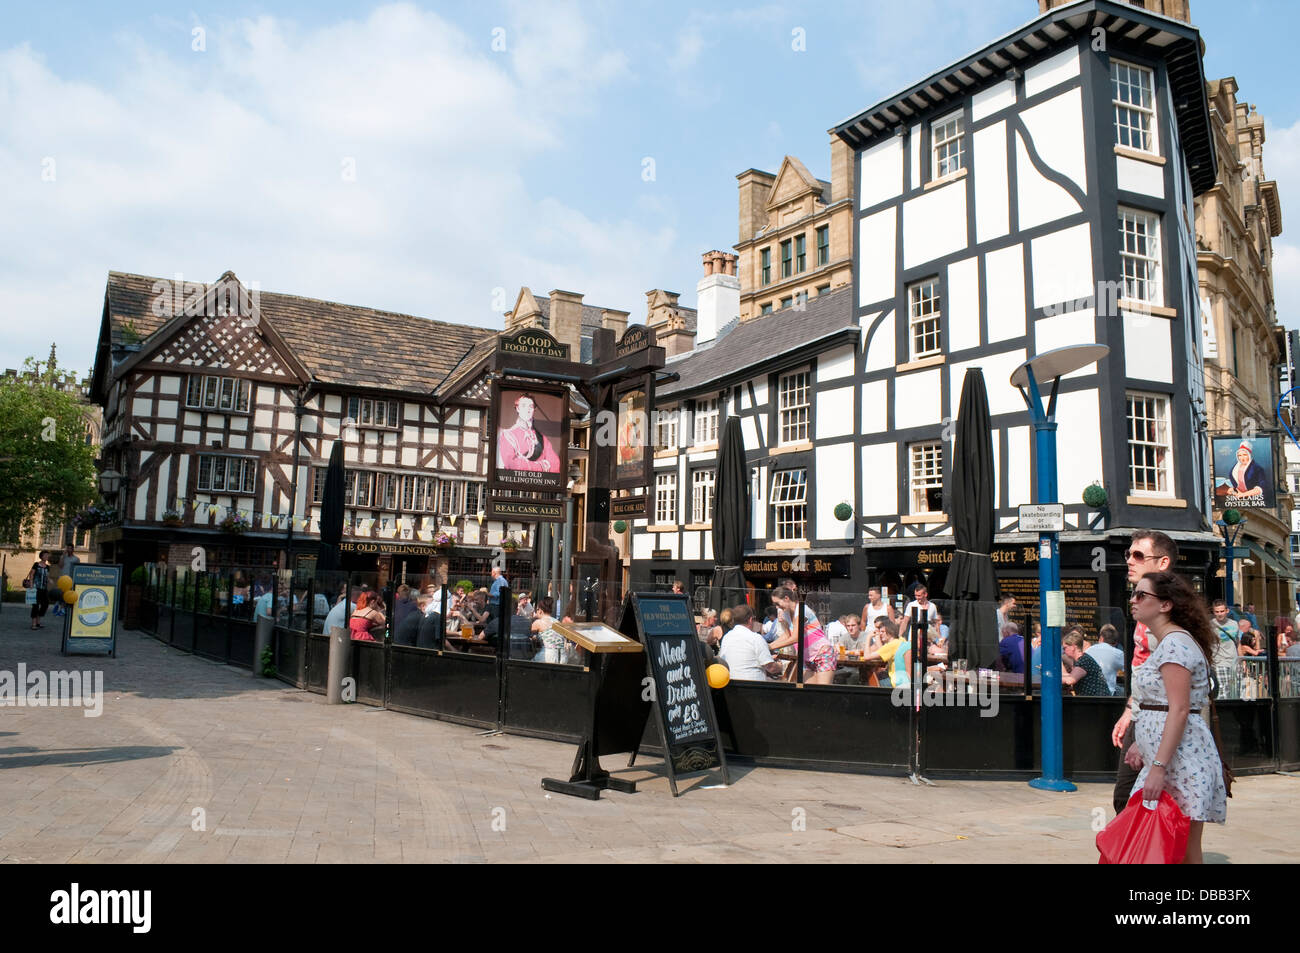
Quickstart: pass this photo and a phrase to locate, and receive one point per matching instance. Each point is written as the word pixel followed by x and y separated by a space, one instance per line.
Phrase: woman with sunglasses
pixel 1173 747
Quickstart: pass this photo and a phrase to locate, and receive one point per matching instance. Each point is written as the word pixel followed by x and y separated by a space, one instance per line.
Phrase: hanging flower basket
pixel 171 518
pixel 510 544
pixel 1095 495
pixel 235 524
pixel 95 515
pixel 843 512
pixel 444 541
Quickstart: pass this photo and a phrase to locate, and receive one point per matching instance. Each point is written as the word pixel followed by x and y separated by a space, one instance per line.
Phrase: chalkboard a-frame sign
pixel 683 704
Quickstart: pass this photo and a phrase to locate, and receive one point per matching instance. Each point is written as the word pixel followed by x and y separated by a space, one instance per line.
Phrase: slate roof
pixel 339 344
pixel 742 347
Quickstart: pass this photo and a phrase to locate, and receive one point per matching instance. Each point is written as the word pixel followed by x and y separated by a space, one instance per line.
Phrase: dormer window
pixel 217 393
pixel 366 412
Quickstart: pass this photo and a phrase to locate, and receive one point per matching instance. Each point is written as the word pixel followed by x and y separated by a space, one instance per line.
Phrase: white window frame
pixel 666 429
pixel 205 468
pixel 794 407
pixel 706 421
pixel 924 473
pixel 702 487
pixel 789 501
pixel 924 319
pixel 666 498
pixel 364 412
pixel 225 395
pixel 947 147
pixel 1160 461
pixel 1142 273
pixel 1122 74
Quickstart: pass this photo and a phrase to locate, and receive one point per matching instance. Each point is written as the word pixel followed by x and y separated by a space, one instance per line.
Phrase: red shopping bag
pixel 1141 836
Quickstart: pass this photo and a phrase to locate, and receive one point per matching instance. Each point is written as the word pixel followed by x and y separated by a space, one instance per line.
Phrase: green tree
pixel 47 464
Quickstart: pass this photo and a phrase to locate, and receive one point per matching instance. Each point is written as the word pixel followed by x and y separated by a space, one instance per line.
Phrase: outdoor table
pixel 477 645
pixel 871 665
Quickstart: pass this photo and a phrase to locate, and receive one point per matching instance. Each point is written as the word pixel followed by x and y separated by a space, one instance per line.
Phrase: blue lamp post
pixel 1048 368
pixel 1231 524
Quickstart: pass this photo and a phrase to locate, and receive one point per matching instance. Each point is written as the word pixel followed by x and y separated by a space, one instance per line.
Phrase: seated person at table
pixel 849 634
pixel 744 651
pixel 1085 675
pixel 708 623
pixel 430 633
pixel 768 624
pixel 407 631
pixel 876 608
pixel 887 649
pixel 1108 655
pixel 941 626
pixel 544 628
pixel 1248 644
pixel 938 643
pixel 369 620
pixel 1011 650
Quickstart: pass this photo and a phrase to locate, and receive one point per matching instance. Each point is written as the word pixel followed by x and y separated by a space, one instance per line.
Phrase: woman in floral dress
pixel 1174 748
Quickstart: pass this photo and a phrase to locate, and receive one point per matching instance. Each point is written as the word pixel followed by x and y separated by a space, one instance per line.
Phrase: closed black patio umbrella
pixel 331 512
pixel 730 517
pixel 971 582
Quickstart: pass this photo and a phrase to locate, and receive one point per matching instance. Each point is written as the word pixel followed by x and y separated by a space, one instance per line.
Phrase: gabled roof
pixel 338 344
pixel 744 349
pixel 1177 43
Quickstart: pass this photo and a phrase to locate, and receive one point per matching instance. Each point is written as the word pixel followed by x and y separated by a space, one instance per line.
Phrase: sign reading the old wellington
pixel 533 342
pixel 388 546
pixel 531 438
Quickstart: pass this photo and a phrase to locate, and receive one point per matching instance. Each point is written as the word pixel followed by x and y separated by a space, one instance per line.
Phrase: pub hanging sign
pixel 531 437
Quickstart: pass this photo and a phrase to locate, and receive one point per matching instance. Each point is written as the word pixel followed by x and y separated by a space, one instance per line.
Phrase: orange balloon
pixel 65 583
pixel 718 675
pixel 70 597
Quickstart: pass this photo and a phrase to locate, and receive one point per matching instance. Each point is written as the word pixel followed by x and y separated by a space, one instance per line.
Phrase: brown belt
pixel 1190 711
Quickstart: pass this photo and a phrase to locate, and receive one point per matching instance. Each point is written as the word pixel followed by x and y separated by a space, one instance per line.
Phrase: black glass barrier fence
pixel 829 679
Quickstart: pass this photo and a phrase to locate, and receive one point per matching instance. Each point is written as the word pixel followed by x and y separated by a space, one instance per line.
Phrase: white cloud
pixel 235 158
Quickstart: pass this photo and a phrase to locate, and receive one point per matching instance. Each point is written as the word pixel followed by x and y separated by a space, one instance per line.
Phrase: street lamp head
pixel 1058 362
pixel 110 481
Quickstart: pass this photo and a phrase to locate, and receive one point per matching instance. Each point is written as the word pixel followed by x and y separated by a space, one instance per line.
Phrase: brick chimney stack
pixel 717 295
pixel 566 320
pixel 669 326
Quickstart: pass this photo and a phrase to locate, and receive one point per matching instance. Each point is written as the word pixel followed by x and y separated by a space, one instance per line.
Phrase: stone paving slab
pixel 197 762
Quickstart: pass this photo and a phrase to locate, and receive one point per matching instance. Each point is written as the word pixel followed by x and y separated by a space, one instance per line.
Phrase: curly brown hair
pixel 1188 611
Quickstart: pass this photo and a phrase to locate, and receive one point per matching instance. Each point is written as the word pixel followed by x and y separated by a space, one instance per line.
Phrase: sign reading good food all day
pixel 534 342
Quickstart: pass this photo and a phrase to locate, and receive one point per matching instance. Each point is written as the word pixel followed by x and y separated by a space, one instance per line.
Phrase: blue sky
pixel 433 158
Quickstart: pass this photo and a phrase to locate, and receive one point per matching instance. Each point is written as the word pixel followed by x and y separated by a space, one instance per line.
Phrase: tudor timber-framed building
pixel 1034 195
pixel 219 400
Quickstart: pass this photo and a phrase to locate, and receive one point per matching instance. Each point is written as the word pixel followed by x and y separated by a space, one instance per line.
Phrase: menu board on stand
pixel 682 704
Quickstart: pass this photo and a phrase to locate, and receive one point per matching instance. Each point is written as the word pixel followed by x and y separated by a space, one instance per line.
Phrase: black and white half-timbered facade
pixel 221 405
pixel 1034 195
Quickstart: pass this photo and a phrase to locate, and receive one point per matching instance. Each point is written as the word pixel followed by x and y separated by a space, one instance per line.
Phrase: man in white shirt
pixel 875 609
pixel 1108 655
pixel 744 651
pixel 920 603
pixel 339 615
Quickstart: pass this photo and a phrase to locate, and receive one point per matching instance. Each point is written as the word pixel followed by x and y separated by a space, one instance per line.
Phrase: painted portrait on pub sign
pixel 532 437
pixel 630 459
pixel 1243 473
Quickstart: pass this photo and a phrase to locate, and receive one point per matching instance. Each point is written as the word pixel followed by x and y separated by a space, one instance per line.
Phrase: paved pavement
pixel 193 761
